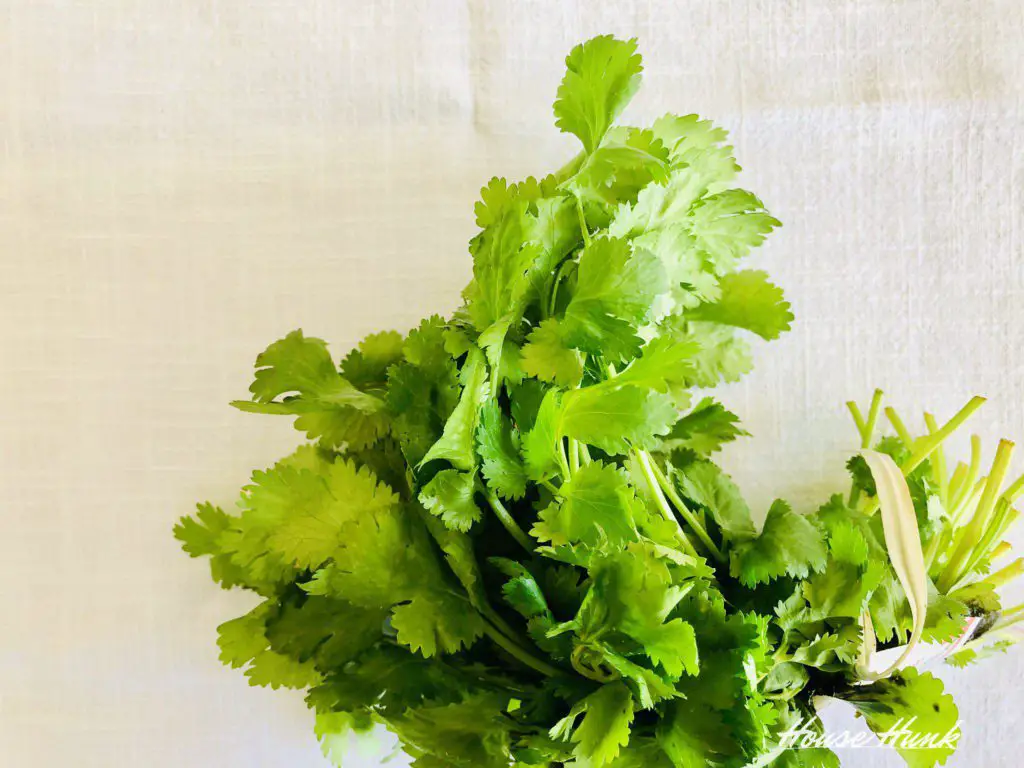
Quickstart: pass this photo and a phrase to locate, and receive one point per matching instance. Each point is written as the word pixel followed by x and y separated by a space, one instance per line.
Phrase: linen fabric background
pixel 184 181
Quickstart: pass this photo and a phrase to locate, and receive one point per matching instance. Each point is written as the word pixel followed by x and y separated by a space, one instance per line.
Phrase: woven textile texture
pixel 184 181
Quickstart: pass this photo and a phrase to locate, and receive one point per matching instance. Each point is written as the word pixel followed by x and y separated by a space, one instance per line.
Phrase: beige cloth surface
pixel 183 181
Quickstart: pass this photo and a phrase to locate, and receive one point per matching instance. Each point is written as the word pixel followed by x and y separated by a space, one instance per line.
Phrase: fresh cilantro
pixel 506 541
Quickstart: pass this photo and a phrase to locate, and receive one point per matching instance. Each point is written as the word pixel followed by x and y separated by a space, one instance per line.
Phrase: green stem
pixel 1005 575
pixel 584 454
pixel 583 222
pixel 574 455
pixel 521 654
pixel 1013 492
pixel 901 429
pixel 509 522
pixel 563 461
pixel 938 464
pixel 684 510
pixel 924 447
pixel 978 526
pixel 643 459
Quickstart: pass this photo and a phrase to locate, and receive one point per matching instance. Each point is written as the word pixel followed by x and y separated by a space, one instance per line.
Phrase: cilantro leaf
pixel 706 428
pixel 540 445
pixel 498 445
pixel 450 496
pixel 601 77
pixel 789 544
pixel 722 355
pixel 614 419
pixel 604 731
pixel 917 702
pixel 705 484
pixel 748 300
pixel 435 622
pixel 728 224
pixel 614 290
pixel 548 356
pixel 329 407
pixel 456 444
pixel 596 507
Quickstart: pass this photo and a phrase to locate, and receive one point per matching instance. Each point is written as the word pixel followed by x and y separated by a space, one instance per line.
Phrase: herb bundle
pixel 507 541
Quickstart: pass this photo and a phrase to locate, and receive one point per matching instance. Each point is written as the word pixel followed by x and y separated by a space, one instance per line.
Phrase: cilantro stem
pixel 583 222
pixel 685 511
pixel 1006 574
pixel 585 454
pixel 509 522
pixel 938 463
pixel 967 486
pixel 866 427
pixel 643 459
pixel 519 653
pixel 550 486
pixel 901 429
pixel 1013 492
pixel 563 460
pixel 559 274
pixel 574 455
pixel 978 526
pixel 923 447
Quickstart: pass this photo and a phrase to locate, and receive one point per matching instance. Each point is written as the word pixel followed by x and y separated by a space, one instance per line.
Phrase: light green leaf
pixel 596 507
pixel 602 75
pixel 750 301
pixel 449 495
pixel 788 545
pixel 498 445
pixel 548 356
pixel 456 443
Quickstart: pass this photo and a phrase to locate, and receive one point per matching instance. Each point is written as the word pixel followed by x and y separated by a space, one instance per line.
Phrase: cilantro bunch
pixel 506 540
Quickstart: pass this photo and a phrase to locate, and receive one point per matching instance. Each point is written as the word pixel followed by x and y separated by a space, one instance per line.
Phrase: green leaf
pixel 912 701
pixel 596 507
pixel 706 428
pixel 331 632
pixel 436 622
pixel 660 205
pixel 498 445
pixel 705 484
pixel 602 75
pixel 699 145
pixel 521 591
pixel 614 291
pixel 243 643
pixel 616 419
pixel 831 652
pixel 456 443
pixel 423 391
pixel 308 514
pixel 614 173
pixel 944 621
pixel 548 357
pixel 450 496
pixel 695 736
pixel 748 300
pixel 604 731
pixel 367 365
pixel 664 366
pixel 329 407
pixel 788 545
pixel 540 445
pixel 728 224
